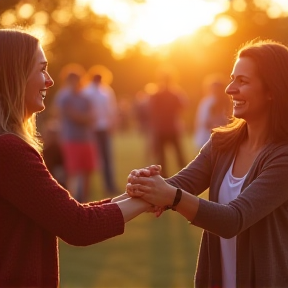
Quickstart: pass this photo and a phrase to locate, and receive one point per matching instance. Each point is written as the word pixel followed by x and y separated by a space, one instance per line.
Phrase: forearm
pixel 155 190
pixel 132 207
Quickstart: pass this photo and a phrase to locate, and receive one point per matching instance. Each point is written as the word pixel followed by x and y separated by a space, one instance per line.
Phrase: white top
pixel 202 130
pixel 229 190
pixel 104 104
pixel 205 120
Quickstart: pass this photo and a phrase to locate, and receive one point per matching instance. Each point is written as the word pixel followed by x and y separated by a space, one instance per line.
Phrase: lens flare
pixel 150 25
pixel 224 26
pixel 153 23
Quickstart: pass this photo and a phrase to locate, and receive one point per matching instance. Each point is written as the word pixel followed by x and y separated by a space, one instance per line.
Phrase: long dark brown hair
pixel 271 59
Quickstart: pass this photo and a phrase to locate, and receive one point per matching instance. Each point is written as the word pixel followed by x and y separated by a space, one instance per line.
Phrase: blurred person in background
pixel 104 106
pixel 166 106
pixel 52 152
pixel 142 117
pixel 124 115
pixel 213 110
pixel 34 208
pixel 245 166
pixel 76 134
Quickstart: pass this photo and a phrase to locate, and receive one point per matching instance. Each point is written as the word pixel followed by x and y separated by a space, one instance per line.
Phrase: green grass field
pixel 152 253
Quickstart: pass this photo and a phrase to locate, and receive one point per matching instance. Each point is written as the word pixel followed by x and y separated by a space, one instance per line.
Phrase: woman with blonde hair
pixel 34 209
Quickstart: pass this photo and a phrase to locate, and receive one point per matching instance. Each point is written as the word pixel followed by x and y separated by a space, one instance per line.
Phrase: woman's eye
pixel 242 81
pixel 44 69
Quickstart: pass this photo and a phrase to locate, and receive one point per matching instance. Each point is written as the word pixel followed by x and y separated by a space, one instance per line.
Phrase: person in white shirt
pixel 213 109
pixel 104 104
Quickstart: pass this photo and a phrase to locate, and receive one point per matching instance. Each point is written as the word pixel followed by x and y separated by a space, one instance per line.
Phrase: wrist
pixel 120 197
pixel 141 203
pixel 176 201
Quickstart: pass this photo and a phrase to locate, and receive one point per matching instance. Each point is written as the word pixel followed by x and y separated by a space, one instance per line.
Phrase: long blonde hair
pixel 17 53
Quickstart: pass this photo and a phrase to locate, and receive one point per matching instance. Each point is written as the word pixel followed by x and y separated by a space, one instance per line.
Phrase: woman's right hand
pixel 146 172
pixel 156 191
pixel 152 189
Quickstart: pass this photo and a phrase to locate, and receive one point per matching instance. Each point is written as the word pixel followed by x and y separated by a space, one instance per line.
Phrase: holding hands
pixel 146 183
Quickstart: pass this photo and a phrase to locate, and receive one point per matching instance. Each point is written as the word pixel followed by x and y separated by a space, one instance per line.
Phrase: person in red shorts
pixel 76 135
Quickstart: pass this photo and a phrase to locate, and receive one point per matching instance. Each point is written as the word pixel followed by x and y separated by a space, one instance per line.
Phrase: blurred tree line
pixel 78 38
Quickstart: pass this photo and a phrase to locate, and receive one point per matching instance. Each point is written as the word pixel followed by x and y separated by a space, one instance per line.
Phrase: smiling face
pixel 251 101
pixel 38 82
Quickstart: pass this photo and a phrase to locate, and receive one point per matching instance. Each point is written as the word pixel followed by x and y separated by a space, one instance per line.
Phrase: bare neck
pixel 257 136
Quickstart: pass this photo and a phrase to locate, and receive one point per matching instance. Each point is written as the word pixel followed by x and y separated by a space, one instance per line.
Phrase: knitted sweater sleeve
pixel 28 187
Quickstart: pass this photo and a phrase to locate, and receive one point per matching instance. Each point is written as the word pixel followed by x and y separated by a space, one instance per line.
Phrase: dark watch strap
pixel 176 200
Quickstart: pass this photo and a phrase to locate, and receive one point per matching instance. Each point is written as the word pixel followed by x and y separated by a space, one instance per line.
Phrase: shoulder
pixel 88 89
pixel 206 101
pixel 61 93
pixel 11 139
pixel 108 90
pixel 17 156
pixel 208 148
pixel 61 96
pixel 11 144
pixel 277 149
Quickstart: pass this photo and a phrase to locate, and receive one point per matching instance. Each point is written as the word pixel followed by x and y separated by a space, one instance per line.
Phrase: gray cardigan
pixel 258 216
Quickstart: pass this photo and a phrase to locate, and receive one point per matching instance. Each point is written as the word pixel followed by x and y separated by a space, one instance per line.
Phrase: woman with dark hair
pixel 34 209
pixel 245 167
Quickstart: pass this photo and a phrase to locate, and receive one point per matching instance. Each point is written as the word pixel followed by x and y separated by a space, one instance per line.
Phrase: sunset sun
pixel 153 22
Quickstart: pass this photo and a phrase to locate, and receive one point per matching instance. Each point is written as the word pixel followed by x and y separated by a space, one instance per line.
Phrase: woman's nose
pixel 49 81
pixel 231 89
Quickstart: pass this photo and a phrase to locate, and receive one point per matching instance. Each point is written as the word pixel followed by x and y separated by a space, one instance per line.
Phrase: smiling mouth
pixel 43 93
pixel 238 103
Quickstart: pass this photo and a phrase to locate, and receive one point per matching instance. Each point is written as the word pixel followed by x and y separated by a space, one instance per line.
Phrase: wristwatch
pixel 176 200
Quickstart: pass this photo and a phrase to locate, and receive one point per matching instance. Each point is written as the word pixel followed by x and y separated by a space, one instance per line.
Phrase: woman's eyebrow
pixel 232 76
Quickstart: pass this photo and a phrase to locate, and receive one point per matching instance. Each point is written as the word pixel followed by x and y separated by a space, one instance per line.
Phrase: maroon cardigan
pixel 35 210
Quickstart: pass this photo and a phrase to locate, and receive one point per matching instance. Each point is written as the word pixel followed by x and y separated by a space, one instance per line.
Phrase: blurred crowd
pixel 85 114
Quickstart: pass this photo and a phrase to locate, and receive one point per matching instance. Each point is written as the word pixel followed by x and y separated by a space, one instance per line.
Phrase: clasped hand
pixel 147 184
